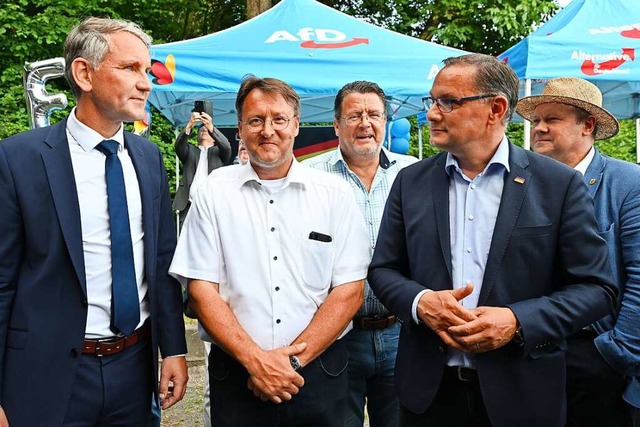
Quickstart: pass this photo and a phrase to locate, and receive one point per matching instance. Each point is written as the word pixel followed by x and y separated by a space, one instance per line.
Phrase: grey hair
pixel 90 40
pixel 491 76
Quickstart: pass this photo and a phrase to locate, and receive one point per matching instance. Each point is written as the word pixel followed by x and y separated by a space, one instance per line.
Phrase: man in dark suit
pixel 491 257
pixel 87 238
pixel 213 150
pixel 603 387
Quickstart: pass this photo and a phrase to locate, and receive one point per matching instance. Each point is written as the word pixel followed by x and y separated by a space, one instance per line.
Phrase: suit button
pixel 84 303
pixel 441 348
pixel 74 352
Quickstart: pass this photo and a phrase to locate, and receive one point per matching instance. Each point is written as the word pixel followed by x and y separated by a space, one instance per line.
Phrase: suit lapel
pixel 593 174
pixel 140 164
pixel 59 169
pixel 440 193
pixel 515 188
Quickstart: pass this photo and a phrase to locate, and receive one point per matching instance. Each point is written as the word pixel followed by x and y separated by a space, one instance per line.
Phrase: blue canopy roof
pixel 592 39
pixel 313 47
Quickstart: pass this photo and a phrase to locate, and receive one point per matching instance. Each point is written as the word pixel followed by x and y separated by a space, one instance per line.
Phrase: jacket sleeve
pixel 620 346
pixel 11 248
pixel 223 145
pixel 182 146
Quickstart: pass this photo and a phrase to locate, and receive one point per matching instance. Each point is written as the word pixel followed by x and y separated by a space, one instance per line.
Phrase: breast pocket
pixel 532 231
pixel 317 262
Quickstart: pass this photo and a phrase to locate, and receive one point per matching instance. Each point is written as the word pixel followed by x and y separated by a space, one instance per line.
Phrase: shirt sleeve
pixel 197 255
pixel 352 241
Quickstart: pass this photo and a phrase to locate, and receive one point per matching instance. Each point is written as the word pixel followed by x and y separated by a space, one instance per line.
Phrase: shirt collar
pixel 500 157
pixel 86 137
pixel 296 174
pixel 385 163
pixel 584 163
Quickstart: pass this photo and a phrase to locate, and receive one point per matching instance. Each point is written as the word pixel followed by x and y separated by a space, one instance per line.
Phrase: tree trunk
pixel 256 7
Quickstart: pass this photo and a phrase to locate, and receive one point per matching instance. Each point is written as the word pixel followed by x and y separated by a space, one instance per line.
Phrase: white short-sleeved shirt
pixel 256 245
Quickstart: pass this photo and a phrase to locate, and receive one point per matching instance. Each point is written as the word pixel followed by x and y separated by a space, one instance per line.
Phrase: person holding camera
pixel 212 152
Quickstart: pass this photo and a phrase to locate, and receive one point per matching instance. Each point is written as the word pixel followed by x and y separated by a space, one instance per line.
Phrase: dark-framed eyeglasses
pixel 374 116
pixel 256 124
pixel 445 105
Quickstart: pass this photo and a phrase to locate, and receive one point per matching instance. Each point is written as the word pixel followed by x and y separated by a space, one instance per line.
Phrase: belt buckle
pixel 98 352
pixel 461 373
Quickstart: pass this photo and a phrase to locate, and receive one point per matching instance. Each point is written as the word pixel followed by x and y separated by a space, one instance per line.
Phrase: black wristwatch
pixel 295 363
pixel 518 338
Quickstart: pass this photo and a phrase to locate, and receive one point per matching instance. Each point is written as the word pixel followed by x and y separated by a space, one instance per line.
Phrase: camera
pixel 203 107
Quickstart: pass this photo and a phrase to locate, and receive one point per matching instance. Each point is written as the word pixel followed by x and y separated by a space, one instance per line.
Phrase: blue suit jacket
pixel 43 298
pixel 546 262
pixel 615 187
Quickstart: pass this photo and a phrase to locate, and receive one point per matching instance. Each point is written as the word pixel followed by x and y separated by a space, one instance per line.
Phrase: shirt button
pixel 273 229
pixel 473 186
pixel 275 258
pixel 277 320
pixel 470 217
pixel 277 288
pixel 468 250
pixel 271 201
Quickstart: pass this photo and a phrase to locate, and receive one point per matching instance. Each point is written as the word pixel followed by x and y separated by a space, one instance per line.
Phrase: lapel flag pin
pixel 519 179
pixel 592 181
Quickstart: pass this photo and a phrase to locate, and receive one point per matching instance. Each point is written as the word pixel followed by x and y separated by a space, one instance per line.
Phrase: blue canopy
pixel 592 39
pixel 313 47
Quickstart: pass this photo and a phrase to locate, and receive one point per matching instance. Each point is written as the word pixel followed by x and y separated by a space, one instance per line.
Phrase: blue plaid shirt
pixel 371 203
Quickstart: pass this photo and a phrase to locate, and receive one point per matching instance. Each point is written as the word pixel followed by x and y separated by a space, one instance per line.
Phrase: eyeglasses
pixel 256 124
pixel 374 116
pixel 445 105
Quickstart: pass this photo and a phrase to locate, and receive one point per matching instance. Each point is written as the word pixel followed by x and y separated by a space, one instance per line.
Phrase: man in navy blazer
pixel 491 257
pixel 61 361
pixel 603 361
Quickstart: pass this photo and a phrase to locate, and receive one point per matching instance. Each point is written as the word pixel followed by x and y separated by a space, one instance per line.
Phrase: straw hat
pixel 577 92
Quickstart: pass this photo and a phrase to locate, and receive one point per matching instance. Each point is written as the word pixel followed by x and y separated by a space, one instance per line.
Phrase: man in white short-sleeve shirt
pixel 275 254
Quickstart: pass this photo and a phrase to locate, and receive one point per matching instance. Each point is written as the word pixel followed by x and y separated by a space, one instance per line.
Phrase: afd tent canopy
pixel 592 39
pixel 313 47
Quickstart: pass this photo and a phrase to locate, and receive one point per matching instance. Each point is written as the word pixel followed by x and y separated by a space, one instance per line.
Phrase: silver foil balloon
pixel 41 104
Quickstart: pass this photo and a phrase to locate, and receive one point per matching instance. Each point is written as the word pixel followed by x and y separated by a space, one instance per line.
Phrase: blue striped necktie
pixel 125 306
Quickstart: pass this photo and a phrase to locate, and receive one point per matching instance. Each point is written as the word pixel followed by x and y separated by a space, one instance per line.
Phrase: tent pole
pixel 527 123
pixel 638 140
pixel 419 142
pixel 177 213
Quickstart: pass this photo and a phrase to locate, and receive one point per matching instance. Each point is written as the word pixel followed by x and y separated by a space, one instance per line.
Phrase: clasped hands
pixel 271 376
pixel 470 330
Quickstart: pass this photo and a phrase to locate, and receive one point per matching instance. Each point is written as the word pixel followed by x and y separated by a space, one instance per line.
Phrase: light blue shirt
pixel 371 202
pixel 473 209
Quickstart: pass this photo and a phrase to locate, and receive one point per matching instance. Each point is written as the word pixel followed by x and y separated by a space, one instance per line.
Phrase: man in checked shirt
pixel 360 118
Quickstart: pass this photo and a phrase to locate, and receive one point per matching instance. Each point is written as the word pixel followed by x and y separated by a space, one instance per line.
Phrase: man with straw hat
pixel 603 360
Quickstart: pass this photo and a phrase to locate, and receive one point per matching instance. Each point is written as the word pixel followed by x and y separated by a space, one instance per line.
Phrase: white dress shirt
pixel 89 173
pixel 202 170
pixel 254 242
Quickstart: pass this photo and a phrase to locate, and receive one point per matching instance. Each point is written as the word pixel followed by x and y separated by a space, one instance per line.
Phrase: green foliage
pixel 473 25
pixel 623 145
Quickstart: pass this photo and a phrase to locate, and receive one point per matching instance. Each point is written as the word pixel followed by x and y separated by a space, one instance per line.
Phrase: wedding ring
pixel 477 346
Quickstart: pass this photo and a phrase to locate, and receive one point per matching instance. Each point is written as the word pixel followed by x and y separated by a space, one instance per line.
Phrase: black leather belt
pixel 111 346
pixel 370 323
pixel 461 373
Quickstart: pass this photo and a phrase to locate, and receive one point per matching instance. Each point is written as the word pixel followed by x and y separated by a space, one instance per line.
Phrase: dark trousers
pixel 594 390
pixel 320 402
pixel 457 404
pixel 112 390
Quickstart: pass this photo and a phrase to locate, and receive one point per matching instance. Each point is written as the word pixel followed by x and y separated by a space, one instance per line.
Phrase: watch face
pixel 295 363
